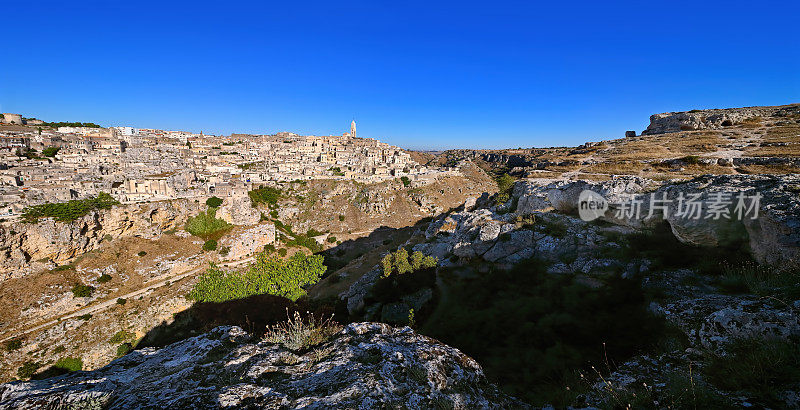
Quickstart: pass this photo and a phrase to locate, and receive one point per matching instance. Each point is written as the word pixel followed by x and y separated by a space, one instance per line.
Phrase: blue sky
pixel 416 74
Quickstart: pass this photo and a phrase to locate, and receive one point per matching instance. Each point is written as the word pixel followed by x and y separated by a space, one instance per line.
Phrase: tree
pixel 405 180
pixel 267 275
pixel 50 151
pixel 401 261
pixel 214 202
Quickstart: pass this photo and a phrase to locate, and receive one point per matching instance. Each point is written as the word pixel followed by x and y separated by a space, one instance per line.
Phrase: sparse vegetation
pixel 121 336
pixel 299 333
pixel 68 211
pixel 763 368
pixel 267 275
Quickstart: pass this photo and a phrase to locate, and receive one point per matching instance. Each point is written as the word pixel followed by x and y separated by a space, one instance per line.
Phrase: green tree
pixel 267 275
pixel 50 151
pixel 401 262
pixel 214 202
pixel 210 245
pixel 386 263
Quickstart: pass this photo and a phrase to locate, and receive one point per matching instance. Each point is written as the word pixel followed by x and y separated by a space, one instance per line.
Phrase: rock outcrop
pixel 713 119
pixel 366 365
pixel 27 245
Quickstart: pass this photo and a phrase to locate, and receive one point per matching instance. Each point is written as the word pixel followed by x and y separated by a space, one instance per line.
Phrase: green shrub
pixel 283 251
pixel 70 364
pixel 300 334
pixel 224 250
pixel 68 211
pixel 50 151
pixel 142 253
pixel 331 239
pixel 214 202
pixel 27 370
pixel 264 195
pixel 314 232
pixel 341 218
pixel 82 291
pixel 13 344
pixel 210 245
pixel 273 213
pixel 267 275
pixel 206 224
pixel 124 349
pixel 121 301
pixel 85 317
pixel 104 278
pixel 62 268
pixel 406 182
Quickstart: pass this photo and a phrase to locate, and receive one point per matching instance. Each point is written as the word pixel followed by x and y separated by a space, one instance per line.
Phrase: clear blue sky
pixel 416 74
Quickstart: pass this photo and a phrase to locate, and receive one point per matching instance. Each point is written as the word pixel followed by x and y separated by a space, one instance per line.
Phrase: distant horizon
pixel 416 75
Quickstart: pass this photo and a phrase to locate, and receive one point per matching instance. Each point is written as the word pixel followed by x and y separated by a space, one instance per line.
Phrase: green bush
pixel 124 349
pixel 331 239
pixel 341 218
pixel 82 291
pixel 264 195
pixel 104 278
pixel 304 241
pixel 142 253
pixel 13 344
pixel 267 275
pixel 68 211
pixel 273 213
pixel 27 370
pixel 283 251
pixel 50 151
pixel 406 182
pixel 121 301
pixel 206 224
pixel 210 245
pixel 224 250
pixel 85 317
pixel 214 202
pixel 299 334
pixel 70 364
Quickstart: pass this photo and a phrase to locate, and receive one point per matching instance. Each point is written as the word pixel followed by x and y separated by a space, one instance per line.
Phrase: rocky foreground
pixel 366 365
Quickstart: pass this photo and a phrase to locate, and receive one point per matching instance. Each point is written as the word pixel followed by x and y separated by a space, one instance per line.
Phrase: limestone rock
pixel 366 365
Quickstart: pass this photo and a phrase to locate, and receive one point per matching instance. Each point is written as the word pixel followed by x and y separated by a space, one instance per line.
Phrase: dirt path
pixel 96 307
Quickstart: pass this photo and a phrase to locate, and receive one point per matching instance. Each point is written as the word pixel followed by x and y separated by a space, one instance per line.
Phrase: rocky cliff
pixel 715 118
pixel 366 365
pixel 31 246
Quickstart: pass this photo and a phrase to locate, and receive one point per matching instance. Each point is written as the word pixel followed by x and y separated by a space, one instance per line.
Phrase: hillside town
pixel 55 162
